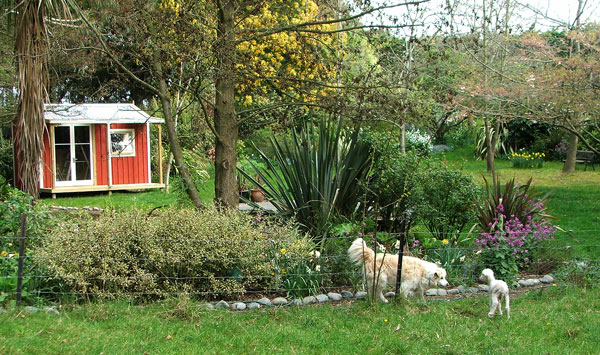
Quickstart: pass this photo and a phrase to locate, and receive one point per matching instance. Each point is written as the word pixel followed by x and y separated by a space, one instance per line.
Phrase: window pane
pixel 63 163
pixel 82 134
pixel 122 142
pixel 62 135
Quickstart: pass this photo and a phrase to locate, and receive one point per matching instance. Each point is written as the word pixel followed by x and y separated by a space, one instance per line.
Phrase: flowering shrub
pixel 561 151
pixel 421 142
pixel 510 244
pixel 525 160
pixel 299 269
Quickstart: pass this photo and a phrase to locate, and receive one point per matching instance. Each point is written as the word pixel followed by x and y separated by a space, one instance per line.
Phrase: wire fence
pixel 263 267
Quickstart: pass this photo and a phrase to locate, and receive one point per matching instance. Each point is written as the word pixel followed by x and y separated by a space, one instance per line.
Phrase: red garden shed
pixel 97 147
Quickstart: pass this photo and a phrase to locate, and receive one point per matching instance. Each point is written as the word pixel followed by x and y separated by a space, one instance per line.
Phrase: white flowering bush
pixel 419 141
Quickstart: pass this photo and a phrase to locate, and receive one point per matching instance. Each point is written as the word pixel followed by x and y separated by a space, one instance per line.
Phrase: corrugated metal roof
pixel 97 113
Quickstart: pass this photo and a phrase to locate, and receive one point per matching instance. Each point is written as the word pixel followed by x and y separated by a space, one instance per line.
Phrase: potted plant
pixel 249 166
pixel 257 194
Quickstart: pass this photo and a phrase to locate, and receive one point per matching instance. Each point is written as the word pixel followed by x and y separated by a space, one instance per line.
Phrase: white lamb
pixel 497 289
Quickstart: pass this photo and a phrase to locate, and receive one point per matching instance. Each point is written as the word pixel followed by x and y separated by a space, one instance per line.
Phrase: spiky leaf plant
pixel 316 175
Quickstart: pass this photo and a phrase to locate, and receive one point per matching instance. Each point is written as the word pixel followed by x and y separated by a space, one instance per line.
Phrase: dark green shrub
pixel 447 201
pixel 206 253
pixel 396 190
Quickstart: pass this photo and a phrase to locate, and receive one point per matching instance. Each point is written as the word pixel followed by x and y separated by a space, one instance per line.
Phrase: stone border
pixel 332 297
pixel 347 295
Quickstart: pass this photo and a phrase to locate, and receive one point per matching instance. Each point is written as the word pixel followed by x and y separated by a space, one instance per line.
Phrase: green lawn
pixel 127 199
pixel 561 320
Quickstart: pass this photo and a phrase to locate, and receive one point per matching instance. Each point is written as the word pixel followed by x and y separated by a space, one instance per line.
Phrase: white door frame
pixel 73 181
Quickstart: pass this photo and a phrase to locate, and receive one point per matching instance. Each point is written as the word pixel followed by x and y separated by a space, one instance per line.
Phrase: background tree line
pixel 222 71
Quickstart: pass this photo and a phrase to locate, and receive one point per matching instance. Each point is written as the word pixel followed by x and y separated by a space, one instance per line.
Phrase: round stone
pixel 360 295
pixel 322 298
pixel 309 300
pixel 238 306
pixel 334 296
pixel 347 294
pixel 264 301
pixel 279 301
pixel 222 304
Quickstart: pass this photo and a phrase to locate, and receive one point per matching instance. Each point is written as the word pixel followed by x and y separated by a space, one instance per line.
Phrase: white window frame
pixel 129 150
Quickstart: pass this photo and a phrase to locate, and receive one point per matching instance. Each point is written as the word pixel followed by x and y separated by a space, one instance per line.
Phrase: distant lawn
pixel 128 199
pixel 561 320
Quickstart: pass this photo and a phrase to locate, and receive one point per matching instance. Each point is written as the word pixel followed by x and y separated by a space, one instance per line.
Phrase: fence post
pixel 21 258
pixel 400 255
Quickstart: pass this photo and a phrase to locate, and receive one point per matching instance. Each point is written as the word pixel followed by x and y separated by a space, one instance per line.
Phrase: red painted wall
pixel 132 170
pixel 46 159
pixel 101 154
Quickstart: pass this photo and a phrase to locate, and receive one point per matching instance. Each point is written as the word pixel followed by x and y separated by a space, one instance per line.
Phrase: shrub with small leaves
pixel 206 253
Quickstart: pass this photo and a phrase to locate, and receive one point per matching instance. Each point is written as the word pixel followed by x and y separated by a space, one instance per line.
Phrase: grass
pixel 127 199
pixel 556 320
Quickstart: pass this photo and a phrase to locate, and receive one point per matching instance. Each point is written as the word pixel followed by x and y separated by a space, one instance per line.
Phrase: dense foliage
pixel 203 253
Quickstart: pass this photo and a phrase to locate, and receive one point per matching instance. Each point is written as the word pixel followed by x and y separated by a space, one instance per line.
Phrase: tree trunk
pixel 226 125
pixel 32 73
pixel 172 134
pixel 167 176
pixel 490 147
pixel 569 165
pixel 403 138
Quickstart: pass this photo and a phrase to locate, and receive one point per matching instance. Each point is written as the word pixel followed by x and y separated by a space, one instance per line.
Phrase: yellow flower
pixel 385 320
pixel 4 253
pixel 445 241
pixel 283 271
pixel 283 251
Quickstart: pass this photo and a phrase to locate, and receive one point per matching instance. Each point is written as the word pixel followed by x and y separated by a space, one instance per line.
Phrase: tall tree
pixel 32 73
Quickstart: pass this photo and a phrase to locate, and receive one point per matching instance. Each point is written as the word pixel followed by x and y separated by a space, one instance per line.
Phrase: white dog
pixel 497 289
pixel 417 274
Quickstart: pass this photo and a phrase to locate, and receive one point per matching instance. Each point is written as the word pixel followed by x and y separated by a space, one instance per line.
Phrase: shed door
pixel 72 155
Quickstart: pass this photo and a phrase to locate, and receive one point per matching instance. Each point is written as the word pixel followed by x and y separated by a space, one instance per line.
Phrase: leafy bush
pixel 462 135
pixel 395 188
pixel 315 176
pixel 447 201
pixel 129 254
pixel 14 203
